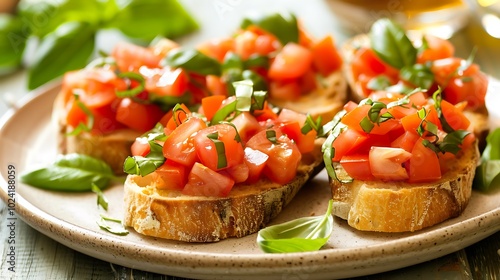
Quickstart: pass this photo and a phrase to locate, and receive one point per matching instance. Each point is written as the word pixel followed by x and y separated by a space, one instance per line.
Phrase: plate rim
pixel 323 260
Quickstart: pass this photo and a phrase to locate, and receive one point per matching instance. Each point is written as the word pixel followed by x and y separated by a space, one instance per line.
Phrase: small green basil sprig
pixel 488 172
pixel 65 31
pixel 391 44
pixel 71 173
pixel 299 235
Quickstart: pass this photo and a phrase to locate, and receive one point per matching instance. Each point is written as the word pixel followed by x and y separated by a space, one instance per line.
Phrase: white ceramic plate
pixel 27 141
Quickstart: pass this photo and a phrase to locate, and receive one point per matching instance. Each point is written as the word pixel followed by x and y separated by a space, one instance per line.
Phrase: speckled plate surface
pixel 27 140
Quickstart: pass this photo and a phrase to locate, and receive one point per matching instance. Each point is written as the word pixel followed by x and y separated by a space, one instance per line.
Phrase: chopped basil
pixel 311 124
pixel 366 125
pixel 232 61
pixel 271 136
pixel 380 82
pixel 220 148
pixel 138 165
pixel 132 91
pixel 193 61
pixel 115 228
pixel 285 29
pixel 333 130
pixel 299 235
pixel 436 96
pixel 101 199
pixel 224 112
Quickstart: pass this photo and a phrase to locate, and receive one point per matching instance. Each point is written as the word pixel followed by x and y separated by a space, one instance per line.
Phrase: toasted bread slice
pixel 325 101
pixel 401 206
pixel 112 148
pixel 170 214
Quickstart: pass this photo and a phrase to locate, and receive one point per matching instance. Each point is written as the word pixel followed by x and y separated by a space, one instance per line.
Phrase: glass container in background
pixel 488 14
pixel 438 17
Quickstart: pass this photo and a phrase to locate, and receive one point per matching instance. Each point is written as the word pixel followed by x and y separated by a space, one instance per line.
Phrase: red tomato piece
pixel 291 62
pixel 284 156
pixel 247 125
pixel 467 88
pixel 326 58
pixel 165 81
pixel 357 166
pixel 216 85
pixel 140 147
pixel 285 90
pixel 138 116
pixel 206 148
pixel 179 145
pixel 406 141
pixel 437 49
pixel 305 142
pixel 387 163
pixel 239 173
pixel 203 181
pixel 256 161
pixel 211 104
pixel 349 139
pixel 130 57
pixel 217 48
pixel 424 164
pixel 174 175
pixel 454 116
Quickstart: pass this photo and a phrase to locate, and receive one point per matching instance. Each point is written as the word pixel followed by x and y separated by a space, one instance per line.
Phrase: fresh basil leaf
pixel 333 130
pixel 137 165
pixel 220 148
pixel 72 173
pixel 115 228
pixel 146 19
pixel 101 199
pixel 67 48
pixel 299 235
pixel 257 60
pixel 193 61
pixel 418 74
pixel 131 92
pixel 12 43
pixel 168 102
pixel 488 172
pixel 284 28
pixel 390 43
pixel 380 82
pixel 271 136
pixel 259 83
pixel 400 87
pixel 232 61
pixel 452 141
pixel 45 16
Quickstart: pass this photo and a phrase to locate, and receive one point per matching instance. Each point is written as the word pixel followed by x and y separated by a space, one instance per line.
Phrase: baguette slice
pixel 325 101
pixel 171 215
pixel 401 206
pixel 112 148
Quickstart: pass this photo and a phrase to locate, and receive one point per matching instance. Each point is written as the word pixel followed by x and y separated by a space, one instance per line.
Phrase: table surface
pixel 39 257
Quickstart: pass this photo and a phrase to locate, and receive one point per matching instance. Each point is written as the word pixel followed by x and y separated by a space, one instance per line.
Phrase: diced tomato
pixel 239 173
pixel 256 161
pixel 105 120
pixel 163 46
pixel 467 88
pixel 207 151
pixel 174 175
pixel 140 147
pixel 424 164
pixel 74 114
pixel 217 48
pixel 181 115
pixel 349 139
pixel 284 156
pixel 308 82
pixel 203 181
pixel 285 90
pixel 165 81
pixel 437 49
pixel 291 62
pixel 305 142
pixel 179 145
pixel 265 114
pixel 130 57
pixel 366 62
pixel 138 116
pixel 357 166
pixel 406 141
pixel 326 58
pixel 216 85
pixel 247 125
pixel 211 105
pixel 387 163
pixel 305 39
pixel 413 121
pixel 353 120
pixel 446 68
pixel 287 115
pixel 350 105
pixel 454 117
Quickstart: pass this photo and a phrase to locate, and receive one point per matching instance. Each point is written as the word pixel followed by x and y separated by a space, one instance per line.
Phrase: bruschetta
pixel 223 171
pixel 400 163
pixel 103 108
pixel 389 59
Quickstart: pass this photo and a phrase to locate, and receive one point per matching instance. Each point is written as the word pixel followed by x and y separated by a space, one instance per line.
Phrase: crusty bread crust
pixel 170 214
pixel 112 148
pixel 325 101
pixel 401 206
